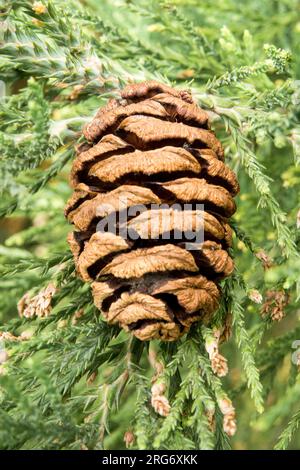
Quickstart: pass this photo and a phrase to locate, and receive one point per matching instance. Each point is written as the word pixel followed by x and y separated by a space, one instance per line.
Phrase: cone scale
pixel 151 149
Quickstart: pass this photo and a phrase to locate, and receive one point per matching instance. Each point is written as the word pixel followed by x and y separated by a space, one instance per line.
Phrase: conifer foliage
pixel 68 378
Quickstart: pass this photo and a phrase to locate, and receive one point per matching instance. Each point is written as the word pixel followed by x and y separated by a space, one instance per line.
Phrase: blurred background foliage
pixel 61 61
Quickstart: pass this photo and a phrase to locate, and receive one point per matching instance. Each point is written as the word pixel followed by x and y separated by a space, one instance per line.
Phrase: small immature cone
pixel 129 438
pixel 6 336
pixel 91 379
pixel 255 296
pixel 218 362
pixel 146 152
pixel 77 315
pixel 39 8
pixel 3 356
pixel 298 219
pixel 267 262
pixel 39 305
pixel 274 305
pixel 229 420
pixel 159 401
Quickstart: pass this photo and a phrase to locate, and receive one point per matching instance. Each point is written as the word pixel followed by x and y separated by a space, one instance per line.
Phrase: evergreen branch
pixel 203 404
pixel 281 409
pixel 277 61
pixel 242 235
pixel 243 341
pixel 63 155
pixel 143 419
pixel 172 421
pixel 287 435
pixel 262 183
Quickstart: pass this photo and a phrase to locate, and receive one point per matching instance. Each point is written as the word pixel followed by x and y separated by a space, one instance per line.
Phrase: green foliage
pixel 78 383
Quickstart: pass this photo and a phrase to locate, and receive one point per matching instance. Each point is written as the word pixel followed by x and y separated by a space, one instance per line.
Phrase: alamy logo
pixel 296 354
pixel 3 353
pixel 2 90
pixel 296 93
pixel 178 222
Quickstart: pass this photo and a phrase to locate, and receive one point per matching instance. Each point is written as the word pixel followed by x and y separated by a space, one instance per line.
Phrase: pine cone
pixel 146 152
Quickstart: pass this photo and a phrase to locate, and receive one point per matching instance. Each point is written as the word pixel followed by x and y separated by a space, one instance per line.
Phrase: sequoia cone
pixel 151 147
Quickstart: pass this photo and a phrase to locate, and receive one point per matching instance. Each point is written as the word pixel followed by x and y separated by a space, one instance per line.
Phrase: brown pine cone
pixel 146 152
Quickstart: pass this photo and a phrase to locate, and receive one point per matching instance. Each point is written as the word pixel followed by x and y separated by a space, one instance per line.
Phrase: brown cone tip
pixel 146 155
